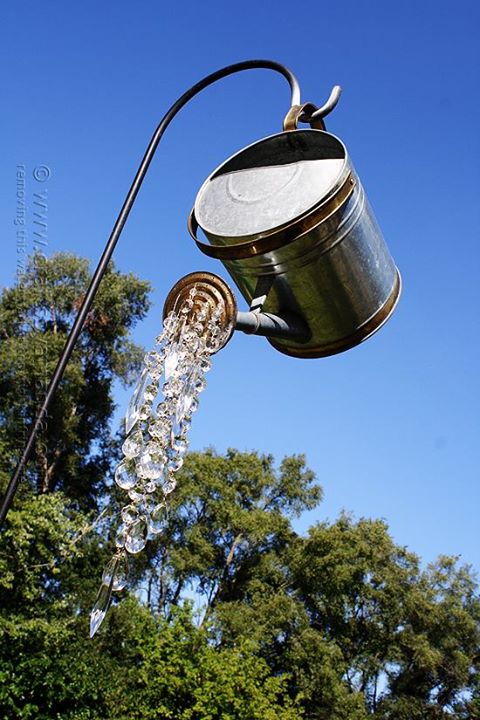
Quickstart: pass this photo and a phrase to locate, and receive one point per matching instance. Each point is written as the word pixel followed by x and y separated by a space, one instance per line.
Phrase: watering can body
pixel 290 221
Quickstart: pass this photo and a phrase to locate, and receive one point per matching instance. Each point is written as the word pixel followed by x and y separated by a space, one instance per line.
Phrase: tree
pixel 406 640
pixel 47 669
pixel 228 527
pixel 75 451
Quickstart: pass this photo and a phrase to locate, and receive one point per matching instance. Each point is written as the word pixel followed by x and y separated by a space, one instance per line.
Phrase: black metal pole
pixel 112 241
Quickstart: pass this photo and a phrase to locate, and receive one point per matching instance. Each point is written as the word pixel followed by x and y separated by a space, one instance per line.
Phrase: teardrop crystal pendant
pixel 172 358
pixel 184 404
pixel 136 402
pixel 99 610
pixel 116 573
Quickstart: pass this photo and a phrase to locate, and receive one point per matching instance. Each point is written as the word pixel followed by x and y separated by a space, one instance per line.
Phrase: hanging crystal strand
pixel 157 439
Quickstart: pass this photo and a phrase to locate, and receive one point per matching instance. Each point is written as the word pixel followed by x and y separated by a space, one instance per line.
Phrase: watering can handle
pixel 310 113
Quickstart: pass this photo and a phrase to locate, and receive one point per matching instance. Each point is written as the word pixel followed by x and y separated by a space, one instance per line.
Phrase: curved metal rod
pixel 112 241
pixel 330 104
pixel 326 108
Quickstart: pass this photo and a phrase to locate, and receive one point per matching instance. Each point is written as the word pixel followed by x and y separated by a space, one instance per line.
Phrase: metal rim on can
pixel 335 193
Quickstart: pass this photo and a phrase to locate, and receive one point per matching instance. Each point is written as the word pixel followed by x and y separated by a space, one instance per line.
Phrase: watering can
pixel 289 219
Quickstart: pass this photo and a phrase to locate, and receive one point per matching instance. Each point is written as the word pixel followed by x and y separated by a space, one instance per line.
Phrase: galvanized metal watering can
pixel 289 219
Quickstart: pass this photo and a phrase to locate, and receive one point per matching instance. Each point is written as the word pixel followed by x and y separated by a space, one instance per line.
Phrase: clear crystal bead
pixel 170 323
pixel 150 486
pixel 124 478
pixel 175 464
pixel 187 306
pixel 151 392
pixel 172 388
pixel 156 373
pixel 169 486
pixel 192 342
pixel 136 495
pixel 205 364
pixel 145 412
pixel 152 359
pixel 148 467
pixel 163 412
pixel 202 314
pixel 157 518
pixel 160 431
pixel 200 384
pixel 133 444
pixel 217 313
pixel 180 445
pixel 156 450
pixel 130 514
pixel 136 536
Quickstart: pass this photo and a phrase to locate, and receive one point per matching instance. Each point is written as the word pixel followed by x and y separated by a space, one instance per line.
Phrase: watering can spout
pixel 217 294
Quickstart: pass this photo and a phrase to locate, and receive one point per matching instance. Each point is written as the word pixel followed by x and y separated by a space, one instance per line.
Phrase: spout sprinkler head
pixel 204 289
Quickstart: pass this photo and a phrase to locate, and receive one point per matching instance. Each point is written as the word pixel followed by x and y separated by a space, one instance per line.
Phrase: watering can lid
pixel 271 183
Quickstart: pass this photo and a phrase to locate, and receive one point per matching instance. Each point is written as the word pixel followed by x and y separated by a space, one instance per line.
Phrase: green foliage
pixel 140 668
pixel 37 546
pixel 406 640
pixel 74 451
pixel 176 673
pixel 46 668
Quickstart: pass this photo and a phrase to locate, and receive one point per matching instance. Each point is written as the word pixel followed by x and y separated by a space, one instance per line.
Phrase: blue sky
pixel 391 427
